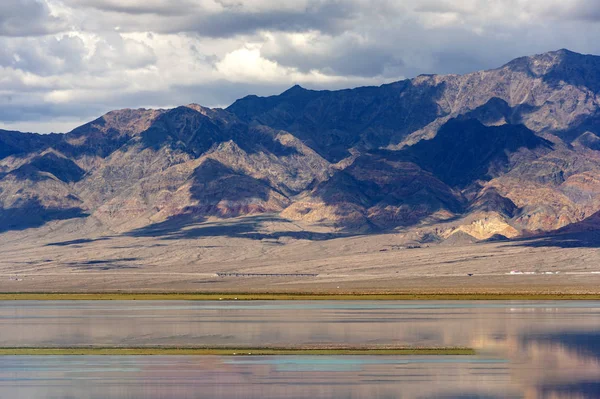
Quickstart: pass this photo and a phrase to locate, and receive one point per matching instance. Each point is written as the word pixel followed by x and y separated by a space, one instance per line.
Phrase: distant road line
pixel 320 275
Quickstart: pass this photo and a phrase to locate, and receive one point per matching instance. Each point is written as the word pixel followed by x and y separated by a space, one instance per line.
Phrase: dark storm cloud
pixel 325 18
pixel 342 57
pixel 584 10
pixel 219 92
pixel 27 18
pixel 35 112
pixel 165 8
pixel 77 59
pixel 437 6
pixel 229 19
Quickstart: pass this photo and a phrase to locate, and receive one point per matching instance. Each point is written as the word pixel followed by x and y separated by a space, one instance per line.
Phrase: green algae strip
pixel 130 296
pixel 231 351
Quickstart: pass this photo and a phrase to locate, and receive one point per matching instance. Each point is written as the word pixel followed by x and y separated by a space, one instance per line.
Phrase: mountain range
pixel 496 154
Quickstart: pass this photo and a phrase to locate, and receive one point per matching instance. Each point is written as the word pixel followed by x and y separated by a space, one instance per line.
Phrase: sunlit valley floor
pixel 274 255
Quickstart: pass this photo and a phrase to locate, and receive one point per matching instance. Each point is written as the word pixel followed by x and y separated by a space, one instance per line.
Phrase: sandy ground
pixel 76 257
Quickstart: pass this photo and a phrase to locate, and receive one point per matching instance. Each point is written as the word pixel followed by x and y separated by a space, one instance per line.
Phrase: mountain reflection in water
pixel 526 350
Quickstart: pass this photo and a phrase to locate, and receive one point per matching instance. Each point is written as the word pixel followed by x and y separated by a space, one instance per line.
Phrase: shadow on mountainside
pixel 583 234
pixel 79 241
pixel 33 214
pixel 195 133
pixel 105 264
pixel 332 122
pixel 251 227
pixel 380 191
pixel 588 239
pixel 464 151
pixel 214 182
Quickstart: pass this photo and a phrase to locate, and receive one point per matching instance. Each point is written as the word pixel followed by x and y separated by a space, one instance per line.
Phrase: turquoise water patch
pixel 350 362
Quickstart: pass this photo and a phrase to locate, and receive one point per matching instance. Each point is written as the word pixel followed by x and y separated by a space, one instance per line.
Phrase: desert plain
pixel 260 254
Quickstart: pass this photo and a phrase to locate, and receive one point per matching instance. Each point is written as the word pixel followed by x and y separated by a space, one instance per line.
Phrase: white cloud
pixel 63 61
pixel 247 64
pixel 28 18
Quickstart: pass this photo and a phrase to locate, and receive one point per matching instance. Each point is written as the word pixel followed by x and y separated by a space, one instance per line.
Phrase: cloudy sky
pixel 65 62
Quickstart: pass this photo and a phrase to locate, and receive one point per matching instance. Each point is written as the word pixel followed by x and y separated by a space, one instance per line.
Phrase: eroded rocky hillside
pixel 499 153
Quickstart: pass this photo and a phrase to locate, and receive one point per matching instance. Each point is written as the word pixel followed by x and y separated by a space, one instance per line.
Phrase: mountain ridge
pixel 511 150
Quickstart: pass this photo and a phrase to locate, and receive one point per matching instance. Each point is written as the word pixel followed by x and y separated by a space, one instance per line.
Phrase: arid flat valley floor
pixel 279 257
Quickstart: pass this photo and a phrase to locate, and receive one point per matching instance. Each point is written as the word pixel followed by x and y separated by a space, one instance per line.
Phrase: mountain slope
pixel 466 151
pixel 554 93
pixel 332 122
pixel 503 152
pixel 377 190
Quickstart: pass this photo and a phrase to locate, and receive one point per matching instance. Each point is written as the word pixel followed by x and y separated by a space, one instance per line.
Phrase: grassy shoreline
pixel 206 296
pixel 231 351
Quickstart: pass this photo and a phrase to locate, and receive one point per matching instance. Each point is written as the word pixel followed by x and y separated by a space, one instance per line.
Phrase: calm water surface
pixel 527 349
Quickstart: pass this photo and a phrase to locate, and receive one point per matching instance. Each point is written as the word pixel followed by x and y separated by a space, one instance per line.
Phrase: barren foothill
pixel 56 259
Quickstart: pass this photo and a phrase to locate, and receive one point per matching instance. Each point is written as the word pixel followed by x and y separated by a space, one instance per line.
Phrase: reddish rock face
pixel 493 153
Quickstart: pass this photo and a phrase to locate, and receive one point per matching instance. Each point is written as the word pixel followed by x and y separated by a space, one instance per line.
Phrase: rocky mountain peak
pixel 561 67
pixel 124 121
pixel 295 89
pixel 501 151
pixel 540 64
